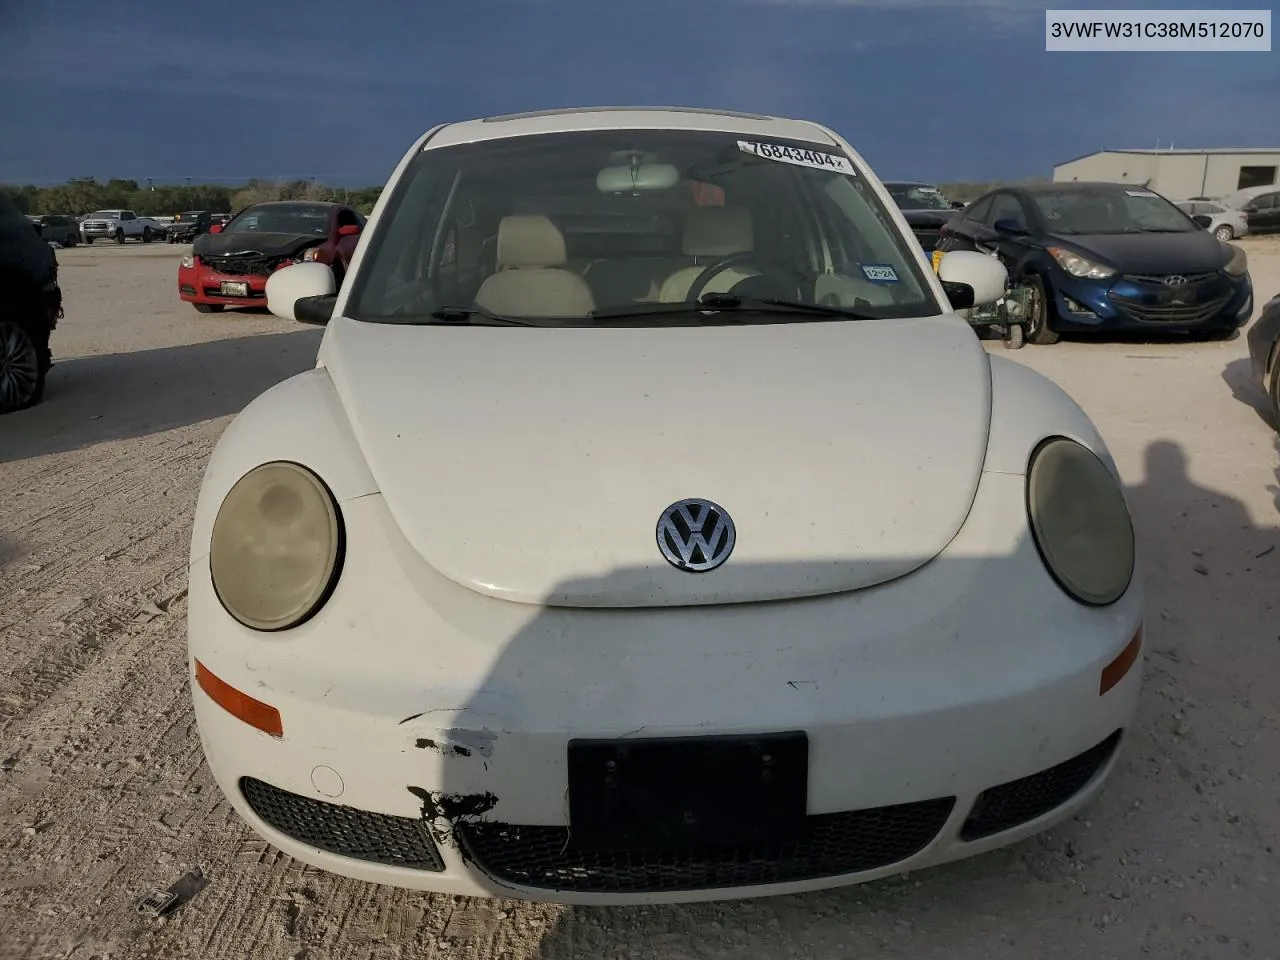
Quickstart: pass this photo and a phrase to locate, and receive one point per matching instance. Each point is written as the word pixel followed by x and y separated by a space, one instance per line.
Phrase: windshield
pixel 300 218
pixel 1118 210
pixel 106 214
pixel 561 229
pixel 918 196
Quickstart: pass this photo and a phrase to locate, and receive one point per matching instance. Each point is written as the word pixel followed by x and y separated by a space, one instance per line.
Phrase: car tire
pixel 1225 233
pixel 1014 337
pixel 71 240
pixel 21 372
pixel 1274 394
pixel 209 307
pixel 119 236
pixel 1039 312
pixel 88 240
pixel 146 234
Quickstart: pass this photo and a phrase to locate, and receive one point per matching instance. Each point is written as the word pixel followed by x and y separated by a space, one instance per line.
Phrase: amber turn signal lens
pixel 1116 670
pixel 261 716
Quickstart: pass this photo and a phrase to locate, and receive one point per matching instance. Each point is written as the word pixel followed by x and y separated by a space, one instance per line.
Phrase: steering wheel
pixel 748 257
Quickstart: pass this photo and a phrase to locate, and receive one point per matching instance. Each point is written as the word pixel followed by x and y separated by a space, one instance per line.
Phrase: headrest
pixel 529 240
pixel 718 232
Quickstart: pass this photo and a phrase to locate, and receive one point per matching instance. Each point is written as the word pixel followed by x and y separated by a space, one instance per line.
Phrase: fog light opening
pixel 1117 669
pixel 259 715
pixel 1076 306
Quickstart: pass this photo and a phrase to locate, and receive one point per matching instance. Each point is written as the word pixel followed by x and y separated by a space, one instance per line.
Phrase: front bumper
pixel 1124 305
pixel 200 285
pixel 433 722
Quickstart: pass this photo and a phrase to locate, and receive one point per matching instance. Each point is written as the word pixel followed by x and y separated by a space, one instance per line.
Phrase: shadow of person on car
pixel 890 660
pixel 120 396
pixel 547 677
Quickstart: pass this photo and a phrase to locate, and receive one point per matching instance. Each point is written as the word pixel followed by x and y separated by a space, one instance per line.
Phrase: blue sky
pixel 928 89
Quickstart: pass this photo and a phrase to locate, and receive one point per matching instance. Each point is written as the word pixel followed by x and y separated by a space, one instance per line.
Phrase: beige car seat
pixel 711 233
pixel 531 280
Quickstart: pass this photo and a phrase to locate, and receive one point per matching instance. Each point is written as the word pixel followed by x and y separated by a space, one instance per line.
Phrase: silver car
pixel 1225 223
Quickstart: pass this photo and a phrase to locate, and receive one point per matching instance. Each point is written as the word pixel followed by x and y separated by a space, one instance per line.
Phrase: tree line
pixel 86 194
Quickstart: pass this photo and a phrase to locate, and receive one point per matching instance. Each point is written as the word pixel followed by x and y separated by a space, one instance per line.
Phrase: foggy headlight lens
pixel 188 261
pixel 1079 266
pixel 276 547
pixel 1080 522
pixel 1238 265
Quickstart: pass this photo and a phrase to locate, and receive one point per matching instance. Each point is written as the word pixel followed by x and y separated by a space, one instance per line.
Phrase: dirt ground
pixel 104 796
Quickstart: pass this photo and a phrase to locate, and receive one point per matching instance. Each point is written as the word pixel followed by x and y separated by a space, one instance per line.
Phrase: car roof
pixel 294 203
pixel 627 118
pixel 908 183
pixel 1073 186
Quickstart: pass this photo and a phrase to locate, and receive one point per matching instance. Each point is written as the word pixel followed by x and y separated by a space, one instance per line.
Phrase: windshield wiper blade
pixel 473 316
pixel 729 302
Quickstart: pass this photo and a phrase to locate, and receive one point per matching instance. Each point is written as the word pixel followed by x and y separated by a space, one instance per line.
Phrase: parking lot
pixel 103 794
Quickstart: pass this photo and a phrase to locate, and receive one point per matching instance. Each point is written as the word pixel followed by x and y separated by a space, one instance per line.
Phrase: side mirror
pixel 1011 227
pixel 350 230
pixel 216 228
pixel 1203 220
pixel 289 286
pixel 958 204
pixel 971 279
pixel 1249 208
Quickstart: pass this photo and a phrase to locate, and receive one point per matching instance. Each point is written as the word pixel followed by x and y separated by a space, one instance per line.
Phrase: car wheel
pixel 119 236
pixel 1225 233
pixel 72 240
pixel 209 307
pixel 146 234
pixel 1014 337
pixel 1039 310
pixel 88 240
pixel 21 373
pixel 1275 397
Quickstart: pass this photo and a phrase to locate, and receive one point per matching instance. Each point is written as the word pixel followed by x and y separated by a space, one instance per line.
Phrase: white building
pixel 1178 174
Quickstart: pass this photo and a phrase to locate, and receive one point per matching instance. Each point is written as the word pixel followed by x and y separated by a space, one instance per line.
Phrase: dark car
pixel 188 225
pixel 1264 355
pixel 30 307
pixel 64 231
pixel 925 208
pixel 229 265
pixel 1107 257
pixel 1263 212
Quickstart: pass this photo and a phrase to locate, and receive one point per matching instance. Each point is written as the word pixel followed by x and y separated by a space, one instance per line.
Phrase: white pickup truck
pixel 120 225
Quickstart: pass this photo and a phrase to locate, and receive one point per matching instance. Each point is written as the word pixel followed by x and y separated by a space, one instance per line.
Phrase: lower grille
pixel 346 831
pixel 829 844
pixel 1020 801
pixel 1181 313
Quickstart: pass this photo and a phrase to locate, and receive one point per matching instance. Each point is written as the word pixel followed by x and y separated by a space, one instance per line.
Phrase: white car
pixel 652 529
pixel 1225 223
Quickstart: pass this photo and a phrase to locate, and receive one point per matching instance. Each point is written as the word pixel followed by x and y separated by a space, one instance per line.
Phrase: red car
pixel 229 265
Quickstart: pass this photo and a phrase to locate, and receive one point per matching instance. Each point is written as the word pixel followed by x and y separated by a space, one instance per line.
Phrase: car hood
pixel 533 464
pixel 254 244
pixel 1197 251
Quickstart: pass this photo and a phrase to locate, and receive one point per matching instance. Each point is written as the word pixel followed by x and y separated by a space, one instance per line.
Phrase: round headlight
pixel 1080 522
pixel 277 546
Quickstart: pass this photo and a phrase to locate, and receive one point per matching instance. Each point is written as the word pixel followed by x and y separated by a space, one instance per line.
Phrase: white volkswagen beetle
pixel 652 529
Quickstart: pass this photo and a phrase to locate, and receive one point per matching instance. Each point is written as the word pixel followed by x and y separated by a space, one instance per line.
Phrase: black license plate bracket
pixel 687 791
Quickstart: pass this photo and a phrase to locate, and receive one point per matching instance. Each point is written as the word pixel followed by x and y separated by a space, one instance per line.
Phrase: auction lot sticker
pixel 797 155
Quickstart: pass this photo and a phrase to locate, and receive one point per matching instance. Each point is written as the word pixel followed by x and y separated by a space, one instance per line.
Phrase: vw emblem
pixel 1174 281
pixel 695 535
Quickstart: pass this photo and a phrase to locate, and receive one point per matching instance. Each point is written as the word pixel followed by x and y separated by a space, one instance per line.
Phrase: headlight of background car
pixel 188 261
pixel 1238 265
pixel 313 253
pixel 1080 522
pixel 1079 266
pixel 277 545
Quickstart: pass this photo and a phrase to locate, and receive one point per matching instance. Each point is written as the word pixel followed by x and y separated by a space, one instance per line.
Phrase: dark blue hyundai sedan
pixel 1107 258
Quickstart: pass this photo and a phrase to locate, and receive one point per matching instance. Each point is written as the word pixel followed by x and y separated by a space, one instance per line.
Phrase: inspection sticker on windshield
pixel 880 273
pixel 798 156
pixel 1140 193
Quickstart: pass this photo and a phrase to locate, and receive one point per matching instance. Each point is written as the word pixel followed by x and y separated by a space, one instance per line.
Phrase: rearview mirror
pixel 1012 227
pixel 971 279
pixel 289 286
pixel 1203 220
pixel 216 228
pixel 958 204
pixel 638 179
pixel 349 230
